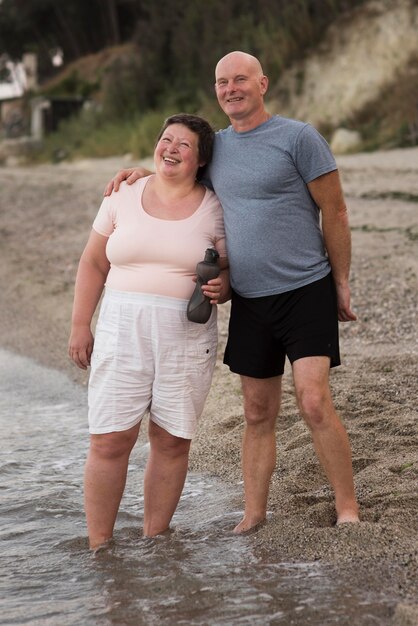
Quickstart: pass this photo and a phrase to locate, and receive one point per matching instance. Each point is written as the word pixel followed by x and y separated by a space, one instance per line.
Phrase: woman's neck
pixel 170 190
pixel 171 200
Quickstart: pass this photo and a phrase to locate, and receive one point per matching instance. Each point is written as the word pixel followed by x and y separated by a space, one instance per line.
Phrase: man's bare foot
pixel 349 517
pixel 248 526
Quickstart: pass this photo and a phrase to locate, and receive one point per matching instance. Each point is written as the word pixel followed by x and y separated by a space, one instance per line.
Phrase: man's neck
pixel 249 123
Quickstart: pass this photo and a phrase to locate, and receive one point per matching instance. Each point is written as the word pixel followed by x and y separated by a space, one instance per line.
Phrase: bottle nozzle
pixel 211 255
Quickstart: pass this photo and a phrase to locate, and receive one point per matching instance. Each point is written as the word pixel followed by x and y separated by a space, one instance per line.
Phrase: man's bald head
pixel 248 61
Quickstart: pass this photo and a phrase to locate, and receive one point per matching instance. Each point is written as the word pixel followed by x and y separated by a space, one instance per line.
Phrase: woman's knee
pixel 113 445
pixel 165 443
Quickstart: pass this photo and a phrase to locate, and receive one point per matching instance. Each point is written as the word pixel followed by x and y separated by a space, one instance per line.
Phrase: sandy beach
pixel 47 213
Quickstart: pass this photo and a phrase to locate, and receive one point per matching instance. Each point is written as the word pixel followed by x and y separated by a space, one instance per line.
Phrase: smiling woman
pixel 148 357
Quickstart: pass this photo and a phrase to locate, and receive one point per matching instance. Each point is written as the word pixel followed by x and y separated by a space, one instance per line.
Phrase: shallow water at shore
pixel 198 574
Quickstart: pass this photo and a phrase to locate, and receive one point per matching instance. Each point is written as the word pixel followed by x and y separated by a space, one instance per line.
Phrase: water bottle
pixel 199 307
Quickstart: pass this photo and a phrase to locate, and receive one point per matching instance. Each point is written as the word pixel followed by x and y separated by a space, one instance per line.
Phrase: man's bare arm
pixel 328 195
pixel 130 175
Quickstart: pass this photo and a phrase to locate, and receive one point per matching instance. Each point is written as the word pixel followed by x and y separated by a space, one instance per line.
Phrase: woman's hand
pixel 80 346
pixel 130 175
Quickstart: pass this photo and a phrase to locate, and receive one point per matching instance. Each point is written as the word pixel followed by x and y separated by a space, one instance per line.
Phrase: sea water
pixel 199 574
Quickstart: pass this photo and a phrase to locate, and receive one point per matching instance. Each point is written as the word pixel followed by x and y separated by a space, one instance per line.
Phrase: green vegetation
pixel 401 469
pixel 92 134
pixel 136 61
pixel 167 64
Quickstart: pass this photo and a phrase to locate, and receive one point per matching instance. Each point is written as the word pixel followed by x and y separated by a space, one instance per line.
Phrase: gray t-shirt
pixel 272 224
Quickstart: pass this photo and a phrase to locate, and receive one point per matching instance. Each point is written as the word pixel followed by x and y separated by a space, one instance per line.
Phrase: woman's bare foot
pixel 101 547
pixel 248 525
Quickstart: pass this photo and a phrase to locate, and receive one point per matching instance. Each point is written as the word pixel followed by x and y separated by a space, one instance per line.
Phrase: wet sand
pixel 46 216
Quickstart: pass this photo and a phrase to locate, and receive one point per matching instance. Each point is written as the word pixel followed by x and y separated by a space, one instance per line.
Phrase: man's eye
pixel 185 144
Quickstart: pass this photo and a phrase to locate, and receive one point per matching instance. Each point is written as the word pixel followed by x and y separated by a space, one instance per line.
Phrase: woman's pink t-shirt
pixel 152 255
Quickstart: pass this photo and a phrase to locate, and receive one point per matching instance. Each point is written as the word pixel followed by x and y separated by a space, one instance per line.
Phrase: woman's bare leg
pixel 165 475
pixel 104 481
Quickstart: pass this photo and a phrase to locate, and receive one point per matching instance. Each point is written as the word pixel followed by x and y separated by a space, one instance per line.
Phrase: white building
pixel 17 85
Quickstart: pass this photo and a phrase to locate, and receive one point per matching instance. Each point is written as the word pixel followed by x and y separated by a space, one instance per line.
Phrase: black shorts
pixel 296 324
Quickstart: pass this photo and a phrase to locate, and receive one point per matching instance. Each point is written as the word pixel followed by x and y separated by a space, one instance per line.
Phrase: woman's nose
pixel 173 147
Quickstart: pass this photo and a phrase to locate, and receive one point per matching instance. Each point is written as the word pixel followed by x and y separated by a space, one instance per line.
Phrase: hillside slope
pixel 366 67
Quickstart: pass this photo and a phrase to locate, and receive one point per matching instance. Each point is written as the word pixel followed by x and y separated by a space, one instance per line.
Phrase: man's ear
pixel 264 84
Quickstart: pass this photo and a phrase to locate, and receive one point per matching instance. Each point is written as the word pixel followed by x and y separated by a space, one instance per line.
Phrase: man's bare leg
pixel 164 479
pixel 261 406
pixel 311 377
pixel 104 481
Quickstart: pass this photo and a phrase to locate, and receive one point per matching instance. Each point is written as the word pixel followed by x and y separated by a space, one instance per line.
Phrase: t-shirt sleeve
pixel 105 220
pixel 313 156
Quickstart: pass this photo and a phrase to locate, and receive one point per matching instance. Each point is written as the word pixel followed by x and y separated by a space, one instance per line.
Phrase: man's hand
pixel 130 175
pixel 218 289
pixel 345 314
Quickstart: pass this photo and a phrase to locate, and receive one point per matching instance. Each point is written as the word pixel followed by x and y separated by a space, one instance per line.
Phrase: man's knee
pixel 260 412
pixel 261 401
pixel 316 407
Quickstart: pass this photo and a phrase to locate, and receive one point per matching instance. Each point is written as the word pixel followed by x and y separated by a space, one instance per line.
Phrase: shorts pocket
pixel 204 352
pixel 105 341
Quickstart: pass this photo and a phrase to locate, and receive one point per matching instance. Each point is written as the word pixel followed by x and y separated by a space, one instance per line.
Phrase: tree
pixel 76 26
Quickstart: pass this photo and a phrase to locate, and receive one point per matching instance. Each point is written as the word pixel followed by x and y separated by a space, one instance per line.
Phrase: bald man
pixel 289 249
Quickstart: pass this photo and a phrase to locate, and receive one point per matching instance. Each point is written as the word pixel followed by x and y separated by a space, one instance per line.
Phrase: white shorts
pixel 148 356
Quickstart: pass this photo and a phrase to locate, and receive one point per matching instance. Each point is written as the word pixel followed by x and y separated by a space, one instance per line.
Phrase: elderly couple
pixel 279 223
